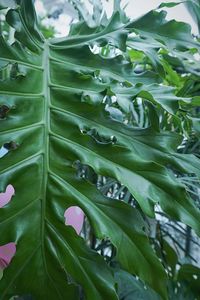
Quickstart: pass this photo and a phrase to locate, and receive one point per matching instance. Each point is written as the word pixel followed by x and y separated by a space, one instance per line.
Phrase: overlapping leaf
pixel 154 32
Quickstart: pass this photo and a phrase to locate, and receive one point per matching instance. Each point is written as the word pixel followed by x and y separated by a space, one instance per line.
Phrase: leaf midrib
pixel 46 95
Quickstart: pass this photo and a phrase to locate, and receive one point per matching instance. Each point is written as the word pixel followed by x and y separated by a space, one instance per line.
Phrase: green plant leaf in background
pixel 153 32
pixel 131 288
pixel 54 91
pixel 194 9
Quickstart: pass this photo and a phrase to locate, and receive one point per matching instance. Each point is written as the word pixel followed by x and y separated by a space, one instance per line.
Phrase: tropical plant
pixel 107 103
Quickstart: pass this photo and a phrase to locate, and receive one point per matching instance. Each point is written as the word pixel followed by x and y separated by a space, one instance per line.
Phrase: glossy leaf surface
pixel 54 91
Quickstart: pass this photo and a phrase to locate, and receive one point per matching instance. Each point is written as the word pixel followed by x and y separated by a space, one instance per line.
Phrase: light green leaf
pixel 170 4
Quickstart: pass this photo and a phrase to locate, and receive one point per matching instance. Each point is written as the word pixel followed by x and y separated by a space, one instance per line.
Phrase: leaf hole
pixel 7 252
pixel 6 196
pixel 10 146
pixel 100 138
pixel 12 71
pixel 4 109
pixel 84 171
pixel 3 151
pixel 74 216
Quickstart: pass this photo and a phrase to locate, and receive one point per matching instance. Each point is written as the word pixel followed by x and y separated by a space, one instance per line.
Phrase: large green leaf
pixel 33 89
pixel 54 92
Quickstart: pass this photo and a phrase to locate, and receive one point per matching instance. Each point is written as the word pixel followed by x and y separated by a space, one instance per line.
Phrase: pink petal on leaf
pixel 6 254
pixel 6 197
pixel 74 216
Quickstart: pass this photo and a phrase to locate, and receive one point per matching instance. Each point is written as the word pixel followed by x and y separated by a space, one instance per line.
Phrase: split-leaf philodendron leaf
pixel 52 92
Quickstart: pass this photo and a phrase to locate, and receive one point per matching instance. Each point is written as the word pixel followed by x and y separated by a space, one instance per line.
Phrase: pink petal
pixel 6 197
pixel 74 216
pixel 6 254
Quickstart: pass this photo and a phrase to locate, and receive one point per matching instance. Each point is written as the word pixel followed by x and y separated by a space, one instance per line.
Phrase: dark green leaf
pixel 56 89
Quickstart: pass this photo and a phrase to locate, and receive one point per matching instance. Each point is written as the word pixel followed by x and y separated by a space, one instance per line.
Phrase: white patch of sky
pixel 134 9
